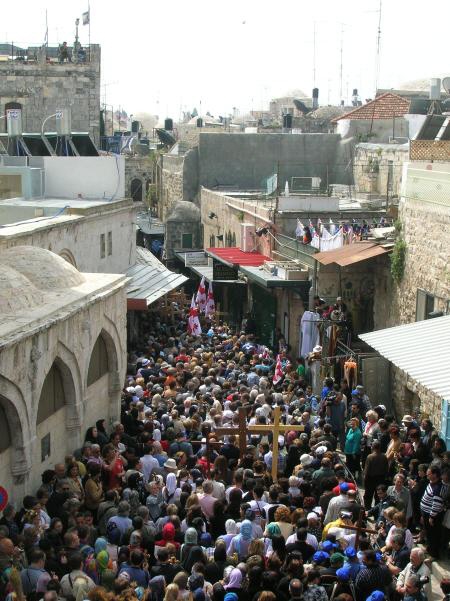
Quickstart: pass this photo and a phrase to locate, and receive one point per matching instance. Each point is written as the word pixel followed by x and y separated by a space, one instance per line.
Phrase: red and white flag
pixel 210 307
pixel 194 327
pixel 200 298
pixel 278 375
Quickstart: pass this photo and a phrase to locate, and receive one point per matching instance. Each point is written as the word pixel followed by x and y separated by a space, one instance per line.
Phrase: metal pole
pixel 89 33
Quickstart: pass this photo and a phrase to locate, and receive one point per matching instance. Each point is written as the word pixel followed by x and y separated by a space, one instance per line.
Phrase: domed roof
pixel 184 211
pixel 41 267
pixel 17 293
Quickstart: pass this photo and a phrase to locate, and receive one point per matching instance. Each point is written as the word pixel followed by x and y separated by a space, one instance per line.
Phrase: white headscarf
pixel 171 484
pixel 156 434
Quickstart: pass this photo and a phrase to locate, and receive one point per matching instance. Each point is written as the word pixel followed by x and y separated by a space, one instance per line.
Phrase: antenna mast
pixel 314 56
pixel 377 62
pixel 341 66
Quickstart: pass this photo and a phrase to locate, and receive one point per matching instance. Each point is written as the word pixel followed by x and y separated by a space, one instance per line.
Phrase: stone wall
pixel 170 188
pixel 245 161
pixel 424 228
pixel 67 337
pixel 377 165
pixel 42 88
pixel 78 239
pixel 409 396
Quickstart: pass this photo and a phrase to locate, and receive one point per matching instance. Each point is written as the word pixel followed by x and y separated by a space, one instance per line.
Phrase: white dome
pixel 17 293
pixel 43 268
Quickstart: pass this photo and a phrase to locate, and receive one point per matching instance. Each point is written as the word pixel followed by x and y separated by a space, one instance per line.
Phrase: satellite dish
pixel 446 84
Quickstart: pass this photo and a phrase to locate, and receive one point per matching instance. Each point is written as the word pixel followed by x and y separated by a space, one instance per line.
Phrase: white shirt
pixel 149 463
pixel 310 539
pixel 258 508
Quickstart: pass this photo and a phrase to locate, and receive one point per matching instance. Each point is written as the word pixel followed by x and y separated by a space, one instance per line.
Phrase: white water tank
pixel 435 88
pixel 14 122
pixel 63 122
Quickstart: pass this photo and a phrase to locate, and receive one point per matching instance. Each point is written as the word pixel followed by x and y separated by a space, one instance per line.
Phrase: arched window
pixel 5 432
pixel 52 396
pixel 98 365
pixel 136 190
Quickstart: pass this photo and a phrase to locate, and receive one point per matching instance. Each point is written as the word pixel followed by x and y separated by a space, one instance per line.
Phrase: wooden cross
pixel 276 428
pixel 243 429
pixel 358 528
pixel 240 431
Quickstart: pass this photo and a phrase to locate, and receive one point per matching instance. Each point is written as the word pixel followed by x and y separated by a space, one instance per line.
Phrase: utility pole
pixel 341 65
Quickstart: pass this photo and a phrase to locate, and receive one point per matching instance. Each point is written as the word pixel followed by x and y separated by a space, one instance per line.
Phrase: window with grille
pixel 98 365
pixel 424 305
pixel 52 395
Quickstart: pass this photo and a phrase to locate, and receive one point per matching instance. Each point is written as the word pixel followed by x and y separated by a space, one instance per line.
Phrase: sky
pixel 171 56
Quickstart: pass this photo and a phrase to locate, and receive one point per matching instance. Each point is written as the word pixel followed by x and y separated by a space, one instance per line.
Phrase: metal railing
pixel 51 54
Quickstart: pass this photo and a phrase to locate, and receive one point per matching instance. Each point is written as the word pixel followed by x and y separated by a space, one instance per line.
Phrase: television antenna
pixel 377 61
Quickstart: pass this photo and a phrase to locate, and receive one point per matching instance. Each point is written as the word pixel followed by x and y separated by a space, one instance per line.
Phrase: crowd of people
pixel 159 508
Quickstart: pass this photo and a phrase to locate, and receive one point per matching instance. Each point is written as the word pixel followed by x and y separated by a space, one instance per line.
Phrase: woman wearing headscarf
pixel 102 436
pixel 231 531
pixel 234 584
pixel 271 530
pixel 190 541
pixel 168 536
pixel 171 493
pixel 239 544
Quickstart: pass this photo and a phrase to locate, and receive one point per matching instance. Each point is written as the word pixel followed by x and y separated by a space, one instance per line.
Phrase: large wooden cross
pixel 358 528
pixel 243 429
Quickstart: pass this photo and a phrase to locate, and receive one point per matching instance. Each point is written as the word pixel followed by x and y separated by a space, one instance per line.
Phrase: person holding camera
pixel 415 567
pixel 414 589
pixel 335 410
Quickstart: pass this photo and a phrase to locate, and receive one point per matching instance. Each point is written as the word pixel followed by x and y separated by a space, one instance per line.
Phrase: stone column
pixel 115 391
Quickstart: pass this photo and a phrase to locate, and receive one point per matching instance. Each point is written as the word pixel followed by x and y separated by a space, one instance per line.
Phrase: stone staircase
pixel 439 570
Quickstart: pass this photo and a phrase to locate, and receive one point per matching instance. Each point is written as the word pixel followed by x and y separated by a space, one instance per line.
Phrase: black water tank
pixel 199 122
pixel 168 124
pixel 135 127
pixel 287 121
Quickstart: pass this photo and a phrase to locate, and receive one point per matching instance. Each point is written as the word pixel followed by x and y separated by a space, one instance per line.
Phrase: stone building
pixel 62 360
pixel 424 289
pixel 183 228
pixel 139 177
pixel 42 87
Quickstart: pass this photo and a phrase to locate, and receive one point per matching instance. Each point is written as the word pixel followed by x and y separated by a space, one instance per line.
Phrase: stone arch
pixel 111 354
pixel 68 373
pixel 68 256
pixel 62 377
pixel 15 410
pixel 136 191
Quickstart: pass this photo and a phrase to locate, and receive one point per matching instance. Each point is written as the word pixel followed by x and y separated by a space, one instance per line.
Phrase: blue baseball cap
pixel 343 487
pixel 320 556
pixel 376 596
pixel 328 546
pixel 350 552
pixel 343 573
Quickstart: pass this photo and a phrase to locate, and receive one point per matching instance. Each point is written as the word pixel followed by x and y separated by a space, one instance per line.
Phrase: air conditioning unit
pixel 247 237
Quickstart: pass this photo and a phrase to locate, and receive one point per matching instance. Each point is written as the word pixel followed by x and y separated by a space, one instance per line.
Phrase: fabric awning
pixel 421 349
pixel 352 253
pixel 149 281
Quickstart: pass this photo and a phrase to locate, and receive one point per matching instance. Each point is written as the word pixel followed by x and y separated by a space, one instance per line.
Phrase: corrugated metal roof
pixel 351 253
pixel 420 349
pixel 150 279
pixel 233 255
